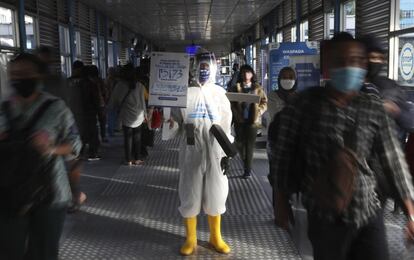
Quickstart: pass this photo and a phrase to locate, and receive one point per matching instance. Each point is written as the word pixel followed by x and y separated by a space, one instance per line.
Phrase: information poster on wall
pixel 169 79
pixel 308 69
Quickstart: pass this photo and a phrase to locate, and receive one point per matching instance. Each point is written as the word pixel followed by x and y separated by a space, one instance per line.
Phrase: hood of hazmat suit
pixel 204 68
pixel 202 183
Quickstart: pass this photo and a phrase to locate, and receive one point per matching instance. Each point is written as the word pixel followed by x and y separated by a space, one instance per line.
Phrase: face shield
pixel 205 68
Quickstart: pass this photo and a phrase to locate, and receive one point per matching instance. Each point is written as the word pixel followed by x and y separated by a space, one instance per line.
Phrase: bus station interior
pixel 131 213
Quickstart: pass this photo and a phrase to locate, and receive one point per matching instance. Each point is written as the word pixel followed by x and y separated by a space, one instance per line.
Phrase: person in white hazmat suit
pixel 202 182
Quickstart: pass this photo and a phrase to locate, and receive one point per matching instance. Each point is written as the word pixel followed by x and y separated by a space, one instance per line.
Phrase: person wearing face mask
pixel 286 91
pixel 202 182
pixel 247 117
pixel 49 127
pixel 277 101
pixel 340 115
pixel 129 98
pixel 83 100
pixel 395 103
pixel 56 85
pixel 382 87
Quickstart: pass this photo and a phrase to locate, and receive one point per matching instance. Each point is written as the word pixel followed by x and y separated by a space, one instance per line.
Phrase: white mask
pixel 287 84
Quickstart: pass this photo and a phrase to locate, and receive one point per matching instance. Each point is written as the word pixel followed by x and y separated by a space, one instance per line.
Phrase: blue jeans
pixel 112 121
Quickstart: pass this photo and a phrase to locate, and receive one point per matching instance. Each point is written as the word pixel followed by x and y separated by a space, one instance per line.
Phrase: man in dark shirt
pixel 57 85
pixel 395 104
pixel 83 100
pixel 358 232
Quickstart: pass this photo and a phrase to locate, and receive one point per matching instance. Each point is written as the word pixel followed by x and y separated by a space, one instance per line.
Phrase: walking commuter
pixel 233 81
pixel 53 83
pixel 57 86
pixel 278 99
pixel 287 86
pixel 110 83
pixel 93 74
pixel 202 182
pixel 323 142
pixel 34 201
pixel 395 104
pixel 147 134
pixel 129 98
pixel 247 117
pixel 83 100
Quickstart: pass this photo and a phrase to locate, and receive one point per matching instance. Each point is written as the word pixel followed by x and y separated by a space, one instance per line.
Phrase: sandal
pixel 127 163
pixel 77 203
pixel 138 162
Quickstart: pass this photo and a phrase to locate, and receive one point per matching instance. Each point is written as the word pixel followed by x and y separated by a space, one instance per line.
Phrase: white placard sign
pixel 169 79
pixel 243 97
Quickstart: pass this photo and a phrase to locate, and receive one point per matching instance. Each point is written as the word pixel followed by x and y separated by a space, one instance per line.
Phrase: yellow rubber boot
pixel 191 231
pixel 215 235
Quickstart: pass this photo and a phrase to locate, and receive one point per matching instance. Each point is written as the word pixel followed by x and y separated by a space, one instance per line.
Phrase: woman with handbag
pixel 37 133
pixel 129 98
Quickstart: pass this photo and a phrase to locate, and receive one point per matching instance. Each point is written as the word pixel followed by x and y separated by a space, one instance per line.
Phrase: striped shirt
pixel 372 131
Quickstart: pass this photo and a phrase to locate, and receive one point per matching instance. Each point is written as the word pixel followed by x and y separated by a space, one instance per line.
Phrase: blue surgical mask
pixel 348 79
pixel 204 75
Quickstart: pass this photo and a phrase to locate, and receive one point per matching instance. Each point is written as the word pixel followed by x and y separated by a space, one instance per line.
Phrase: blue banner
pixel 302 56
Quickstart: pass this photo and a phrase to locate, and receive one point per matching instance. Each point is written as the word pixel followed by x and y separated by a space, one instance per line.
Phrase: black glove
pixel 225 164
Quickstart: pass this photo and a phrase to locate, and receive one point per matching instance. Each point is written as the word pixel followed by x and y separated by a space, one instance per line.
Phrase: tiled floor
pixel 131 213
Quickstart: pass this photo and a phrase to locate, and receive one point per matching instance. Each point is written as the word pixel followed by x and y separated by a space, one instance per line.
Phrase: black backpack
pixel 26 175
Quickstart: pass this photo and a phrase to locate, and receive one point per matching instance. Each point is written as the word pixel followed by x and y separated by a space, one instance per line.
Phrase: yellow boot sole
pixel 188 248
pixel 220 246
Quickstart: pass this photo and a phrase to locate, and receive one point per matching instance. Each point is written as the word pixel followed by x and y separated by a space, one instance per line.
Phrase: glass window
pixel 279 37
pixel 254 57
pixel 401 56
pixel 347 20
pixel 329 24
pixel 273 38
pixel 102 56
pixel 110 54
pixel 293 34
pixel 349 17
pixel 406 60
pixel 406 14
pixel 304 31
pixel 94 47
pixel 249 55
pixel 78 47
pixel 64 45
pixel 31 33
pixel 5 57
pixel 7 28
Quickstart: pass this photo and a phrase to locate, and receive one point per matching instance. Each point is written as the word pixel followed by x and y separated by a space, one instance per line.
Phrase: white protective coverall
pixel 202 182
